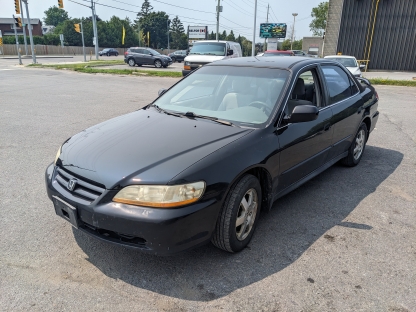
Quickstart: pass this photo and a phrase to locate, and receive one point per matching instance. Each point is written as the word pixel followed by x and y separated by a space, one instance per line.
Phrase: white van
pixel 207 51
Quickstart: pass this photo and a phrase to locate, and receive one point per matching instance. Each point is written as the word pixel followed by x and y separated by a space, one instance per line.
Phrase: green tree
pixel 155 23
pixel 179 38
pixel 231 36
pixel 212 36
pixel 319 14
pixel 176 26
pixel 223 36
pixel 55 16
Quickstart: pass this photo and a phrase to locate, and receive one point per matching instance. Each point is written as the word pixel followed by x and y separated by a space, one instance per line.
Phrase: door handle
pixel 327 127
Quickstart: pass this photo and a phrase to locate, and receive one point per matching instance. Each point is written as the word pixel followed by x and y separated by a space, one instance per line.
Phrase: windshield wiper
pixel 161 110
pixel 224 122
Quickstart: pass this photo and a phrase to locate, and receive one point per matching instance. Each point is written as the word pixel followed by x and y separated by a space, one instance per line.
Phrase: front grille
pixel 115 237
pixel 82 190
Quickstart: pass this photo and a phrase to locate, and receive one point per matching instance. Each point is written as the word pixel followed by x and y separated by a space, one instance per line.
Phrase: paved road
pixel 345 241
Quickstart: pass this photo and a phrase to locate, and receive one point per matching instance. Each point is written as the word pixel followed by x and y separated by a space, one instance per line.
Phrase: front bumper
pixel 185 72
pixel 156 231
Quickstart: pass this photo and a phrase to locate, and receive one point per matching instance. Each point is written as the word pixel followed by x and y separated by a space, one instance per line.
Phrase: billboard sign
pixel 273 30
pixel 197 32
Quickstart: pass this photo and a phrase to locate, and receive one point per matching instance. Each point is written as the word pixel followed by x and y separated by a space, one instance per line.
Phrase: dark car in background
pixel 108 52
pixel 201 162
pixel 178 56
pixel 300 53
pixel 146 56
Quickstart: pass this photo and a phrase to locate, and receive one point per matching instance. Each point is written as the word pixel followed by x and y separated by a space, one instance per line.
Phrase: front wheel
pixel 158 64
pixel 131 62
pixel 238 217
pixel 356 150
pixel 173 60
pixel 116 54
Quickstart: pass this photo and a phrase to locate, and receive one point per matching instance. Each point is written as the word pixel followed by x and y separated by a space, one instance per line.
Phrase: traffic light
pixel 60 4
pixel 18 21
pixel 17 6
pixel 77 28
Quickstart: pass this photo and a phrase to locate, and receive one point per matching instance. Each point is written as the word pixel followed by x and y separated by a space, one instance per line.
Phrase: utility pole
pixel 17 41
pixel 83 44
pixel 293 29
pixel 219 9
pixel 94 26
pixel 253 45
pixel 267 20
pixel 23 26
pixel 32 46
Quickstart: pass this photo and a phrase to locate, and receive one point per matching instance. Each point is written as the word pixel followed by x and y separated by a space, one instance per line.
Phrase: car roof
pixel 268 62
pixel 280 51
pixel 339 56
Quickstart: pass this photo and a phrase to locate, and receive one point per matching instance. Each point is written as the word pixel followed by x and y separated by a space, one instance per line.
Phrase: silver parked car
pixel 350 62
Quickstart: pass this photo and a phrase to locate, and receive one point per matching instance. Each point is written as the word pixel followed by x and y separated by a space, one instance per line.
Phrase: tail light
pixel 125 53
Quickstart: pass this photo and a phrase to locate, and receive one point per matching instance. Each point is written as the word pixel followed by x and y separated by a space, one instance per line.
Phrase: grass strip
pixel 391 82
pixel 150 73
pixel 79 65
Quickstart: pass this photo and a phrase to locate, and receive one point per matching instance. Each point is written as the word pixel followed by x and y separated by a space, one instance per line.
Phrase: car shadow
pixel 296 221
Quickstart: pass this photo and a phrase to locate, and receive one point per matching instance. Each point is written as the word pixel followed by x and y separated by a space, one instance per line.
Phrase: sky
pixel 237 15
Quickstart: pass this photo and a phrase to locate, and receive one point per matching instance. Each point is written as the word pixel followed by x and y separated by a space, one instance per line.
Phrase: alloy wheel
pixel 359 144
pixel 246 214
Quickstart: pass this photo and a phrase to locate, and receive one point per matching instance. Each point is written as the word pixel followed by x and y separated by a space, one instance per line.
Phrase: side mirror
pixel 187 52
pixel 230 52
pixel 304 113
pixel 362 66
pixel 161 91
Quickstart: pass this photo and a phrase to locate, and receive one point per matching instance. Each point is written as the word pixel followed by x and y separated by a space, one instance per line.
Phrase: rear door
pixel 346 103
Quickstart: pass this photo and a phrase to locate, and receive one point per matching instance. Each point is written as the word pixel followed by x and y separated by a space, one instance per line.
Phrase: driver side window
pixel 305 91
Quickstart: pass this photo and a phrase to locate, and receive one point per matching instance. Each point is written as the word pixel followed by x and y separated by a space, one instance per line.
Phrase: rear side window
pixel 340 86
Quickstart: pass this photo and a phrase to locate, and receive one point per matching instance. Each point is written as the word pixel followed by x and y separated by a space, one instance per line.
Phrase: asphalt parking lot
pixel 345 241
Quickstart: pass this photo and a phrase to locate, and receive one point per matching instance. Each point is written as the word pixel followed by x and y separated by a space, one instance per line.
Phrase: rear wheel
pixel 238 218
pixel 116 54
pixel 158 64
pixel 356 150
pixel 131 62
pixel 173 60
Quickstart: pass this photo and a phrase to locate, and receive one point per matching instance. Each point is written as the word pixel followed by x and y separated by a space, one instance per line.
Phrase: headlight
pixel 57 155
pixel 161 196
pixel 187 64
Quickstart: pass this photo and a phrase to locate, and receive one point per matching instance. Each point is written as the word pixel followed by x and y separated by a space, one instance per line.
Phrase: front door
pixel 305 145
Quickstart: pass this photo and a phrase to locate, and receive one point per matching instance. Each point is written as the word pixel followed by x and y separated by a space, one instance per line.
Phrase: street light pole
pixel 218 20
pixel 167 25
pixel 32 46
pixel 253 45
pixel 293 29
pixel 24 30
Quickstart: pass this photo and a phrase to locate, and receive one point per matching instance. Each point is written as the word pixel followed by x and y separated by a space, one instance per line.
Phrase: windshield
pixel 154 52
pixel 346 61
pixel 211 48
pixel 106 50
pixel 245 96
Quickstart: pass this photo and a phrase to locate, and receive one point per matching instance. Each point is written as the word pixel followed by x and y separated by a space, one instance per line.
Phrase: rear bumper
pixel 155 231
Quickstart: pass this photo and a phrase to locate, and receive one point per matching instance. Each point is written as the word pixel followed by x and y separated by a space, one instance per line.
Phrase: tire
pixel 165 66
pixel 179 61
pixel 116 54
pixel 131 62
pixel 158 64
pixel 140 65
pixel 228 235
pixel 173 59
pixel 356 150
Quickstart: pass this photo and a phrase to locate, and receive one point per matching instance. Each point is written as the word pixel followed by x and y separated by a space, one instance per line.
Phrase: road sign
pixel 61 37
pixel 93 40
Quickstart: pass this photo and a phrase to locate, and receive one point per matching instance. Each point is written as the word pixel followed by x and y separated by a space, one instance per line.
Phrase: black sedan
pixel 108 52
pixel 203 160
pixel 178 56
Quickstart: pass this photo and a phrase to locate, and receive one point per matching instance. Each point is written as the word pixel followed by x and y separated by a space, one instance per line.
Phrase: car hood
pixel 145 146
pixel 203 58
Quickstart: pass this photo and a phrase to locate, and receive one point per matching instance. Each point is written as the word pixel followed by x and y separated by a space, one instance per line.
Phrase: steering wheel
pixel 266 108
